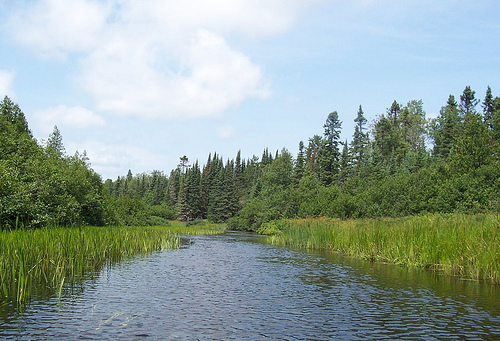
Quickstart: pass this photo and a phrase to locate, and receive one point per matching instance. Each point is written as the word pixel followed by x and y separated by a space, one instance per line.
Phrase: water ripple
pixel 232 287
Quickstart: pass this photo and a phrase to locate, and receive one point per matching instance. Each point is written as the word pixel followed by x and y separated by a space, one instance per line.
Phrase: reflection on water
pixel 236 287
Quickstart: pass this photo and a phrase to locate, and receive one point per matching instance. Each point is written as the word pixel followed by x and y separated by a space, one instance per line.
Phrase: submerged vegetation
pixel 462 245
pixel 34 261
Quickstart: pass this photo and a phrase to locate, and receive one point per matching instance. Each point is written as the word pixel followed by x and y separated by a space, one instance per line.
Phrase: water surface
pixel 234 286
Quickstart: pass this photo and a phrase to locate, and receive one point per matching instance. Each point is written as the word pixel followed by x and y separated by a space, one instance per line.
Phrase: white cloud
pixel 216 77
pixel 6 79
pixel 71 117
pixel 110 160
pixel 155 58
pixel 53 28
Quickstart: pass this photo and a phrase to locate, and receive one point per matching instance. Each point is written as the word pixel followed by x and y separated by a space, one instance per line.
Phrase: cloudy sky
pixel 137 84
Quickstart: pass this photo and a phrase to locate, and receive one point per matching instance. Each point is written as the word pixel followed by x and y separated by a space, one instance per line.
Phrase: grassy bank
pixel 461 245
pixel 43 259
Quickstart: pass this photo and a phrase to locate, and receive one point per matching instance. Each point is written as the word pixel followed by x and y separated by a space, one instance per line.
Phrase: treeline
pixel 190 192
pixel 401 164
pixel 388 170
pixel 39 184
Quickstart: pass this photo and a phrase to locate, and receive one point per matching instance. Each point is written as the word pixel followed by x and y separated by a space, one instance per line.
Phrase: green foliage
pixel 360 140
pixel 472 146
pixel 387 171
pixel 397 175
pixel 445 128
pixel 42 186
pixel 329 154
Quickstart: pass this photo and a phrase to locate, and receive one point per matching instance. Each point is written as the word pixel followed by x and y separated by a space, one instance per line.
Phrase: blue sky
pixel 138 84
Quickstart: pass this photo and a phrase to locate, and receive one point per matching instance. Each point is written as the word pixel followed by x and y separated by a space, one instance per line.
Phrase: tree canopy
pixel 404 164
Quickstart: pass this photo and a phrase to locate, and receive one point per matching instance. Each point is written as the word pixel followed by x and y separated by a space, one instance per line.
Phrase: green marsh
pixel 461 245
pixel 41 260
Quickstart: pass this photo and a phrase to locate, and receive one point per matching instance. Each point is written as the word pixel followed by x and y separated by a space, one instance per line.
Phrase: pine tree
pixel 360 139
pixel 174 187
pixel 468 102
pixel 158 187
pixel 183 209
pixel 445 128
pixel 299 163
pixel 205 188
pixel 267 158
pixel 230 194
pixel 393 113
pixel 193 189
pixel 183 164
pixel 216 201
pixel 238 175
pixel 329 153
pixel 495 120
pixel 55 147
pixel 345 163
pixel 384 138
pixel 488 108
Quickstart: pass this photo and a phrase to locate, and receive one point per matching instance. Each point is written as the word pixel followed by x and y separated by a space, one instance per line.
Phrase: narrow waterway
pixel 233 286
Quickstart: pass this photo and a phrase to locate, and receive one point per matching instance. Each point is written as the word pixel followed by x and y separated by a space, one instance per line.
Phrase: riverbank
pixel 42 260
pixel 460 245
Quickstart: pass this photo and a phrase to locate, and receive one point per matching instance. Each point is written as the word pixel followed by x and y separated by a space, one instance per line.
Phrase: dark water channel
pixel 233 286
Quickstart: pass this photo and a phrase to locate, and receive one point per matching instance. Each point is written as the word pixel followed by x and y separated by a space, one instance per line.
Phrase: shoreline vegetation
pixel 467 246
pixel 39 261
pixel 437 178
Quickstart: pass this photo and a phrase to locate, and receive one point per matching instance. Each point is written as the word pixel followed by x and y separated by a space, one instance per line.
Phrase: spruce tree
pixel 299 163
pixel 193 191
pixel 468 102
pixel 173 187
pixel 445 128
pixel 230 194
pixel 216 202
pixel 205 189
pixel 384 140
pixel 329 153
pixel 488 108
pixel 360 139
pixel 183 209
pixel 345 163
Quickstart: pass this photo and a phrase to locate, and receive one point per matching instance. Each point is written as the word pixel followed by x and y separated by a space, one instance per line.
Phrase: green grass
pixel 41 260
pixel 462 245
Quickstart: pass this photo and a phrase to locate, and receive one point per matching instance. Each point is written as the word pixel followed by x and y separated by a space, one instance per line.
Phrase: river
pixel 236 287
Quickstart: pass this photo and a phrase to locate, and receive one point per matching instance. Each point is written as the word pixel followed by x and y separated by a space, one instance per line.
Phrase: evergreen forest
pixel 400 164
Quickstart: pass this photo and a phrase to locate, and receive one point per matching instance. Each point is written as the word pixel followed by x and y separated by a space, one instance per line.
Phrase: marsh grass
pixel 463 245
pixel 42 260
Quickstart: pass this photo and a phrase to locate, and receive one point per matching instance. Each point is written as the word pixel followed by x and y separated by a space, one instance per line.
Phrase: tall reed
pixel 42 259
pixel 462 245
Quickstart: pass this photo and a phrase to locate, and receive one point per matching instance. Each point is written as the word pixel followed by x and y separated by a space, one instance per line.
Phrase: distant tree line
pixel 400 164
